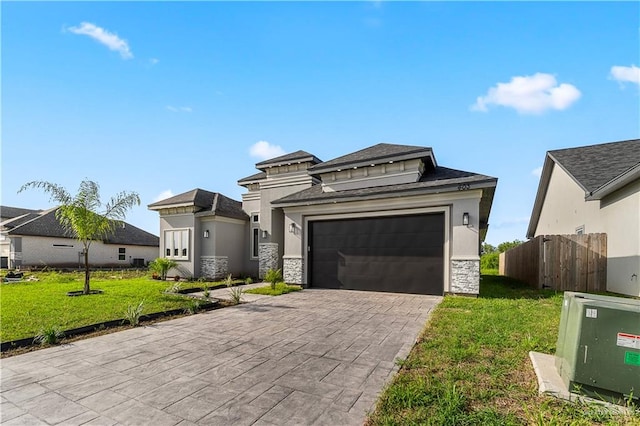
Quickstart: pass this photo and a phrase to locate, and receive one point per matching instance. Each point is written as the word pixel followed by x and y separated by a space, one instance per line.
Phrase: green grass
pixel 471 364
pixel 29 307
pixel 281 288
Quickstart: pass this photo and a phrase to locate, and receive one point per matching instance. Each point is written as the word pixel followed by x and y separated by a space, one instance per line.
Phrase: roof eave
pixel 618 182
pixel 545 177
pixel 168 206
pixel 450 187
pixel 426 153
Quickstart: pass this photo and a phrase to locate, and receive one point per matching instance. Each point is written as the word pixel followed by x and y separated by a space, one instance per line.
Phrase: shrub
pixel 234 292
pixel 206 292
pixel 248 280
pixel 174 288
pixel 274 276
pixel 193 307
pixel 48 336
pixel 132 314
pixel 161 266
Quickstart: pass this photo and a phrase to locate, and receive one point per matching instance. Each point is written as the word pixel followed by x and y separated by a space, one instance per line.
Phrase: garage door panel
pixel 397 254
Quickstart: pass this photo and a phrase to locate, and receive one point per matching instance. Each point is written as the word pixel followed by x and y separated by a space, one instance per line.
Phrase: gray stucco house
pixel 385 218
pixel 595 189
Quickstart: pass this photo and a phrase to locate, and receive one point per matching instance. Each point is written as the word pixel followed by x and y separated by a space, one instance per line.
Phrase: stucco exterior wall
pixel 618 215
pixel 190 266
pixel 461 242
pixel 230 242
pixel 40 251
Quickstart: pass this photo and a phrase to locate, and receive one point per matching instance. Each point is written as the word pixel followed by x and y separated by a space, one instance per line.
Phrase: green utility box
pixel 598 349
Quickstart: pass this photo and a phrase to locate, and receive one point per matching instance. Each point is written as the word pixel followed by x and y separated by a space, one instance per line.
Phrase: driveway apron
pixel 315 357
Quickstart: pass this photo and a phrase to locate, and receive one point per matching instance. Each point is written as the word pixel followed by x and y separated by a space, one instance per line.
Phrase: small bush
pixel 206 292
pixel 161 266
pixel 235 293
pixel 174 288
pixel 248 280
pixel 193 307
pixel 132 314
pixel 274 276
pixel 49 336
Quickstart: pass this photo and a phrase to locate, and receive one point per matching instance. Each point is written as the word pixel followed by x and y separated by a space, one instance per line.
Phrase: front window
pixel 255 235
pixel 176 244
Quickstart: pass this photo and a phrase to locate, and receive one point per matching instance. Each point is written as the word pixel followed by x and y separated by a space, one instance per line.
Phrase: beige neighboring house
pixel 35 238
pixel 385 218
pixel 595 189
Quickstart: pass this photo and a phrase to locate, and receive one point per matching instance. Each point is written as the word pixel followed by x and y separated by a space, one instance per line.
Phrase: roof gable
pixel 376 154
pixel 207 203
pixel 596 165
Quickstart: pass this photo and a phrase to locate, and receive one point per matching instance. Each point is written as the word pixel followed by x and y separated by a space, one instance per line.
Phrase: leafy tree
pixel 82 215
pixel 161 266
pixel 508 245
pixel 488 248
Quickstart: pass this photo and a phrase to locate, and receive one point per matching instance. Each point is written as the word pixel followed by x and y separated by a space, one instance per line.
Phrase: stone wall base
pixel 292 270
pixel 214 267
pixel 267 258
pixel 465 277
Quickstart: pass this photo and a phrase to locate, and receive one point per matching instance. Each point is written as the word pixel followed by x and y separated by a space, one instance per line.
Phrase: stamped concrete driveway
pixel 309 358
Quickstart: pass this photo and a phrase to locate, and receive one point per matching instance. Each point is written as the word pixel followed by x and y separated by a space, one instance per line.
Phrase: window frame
pixel 122 253
pixel 179 240
pixel 254 236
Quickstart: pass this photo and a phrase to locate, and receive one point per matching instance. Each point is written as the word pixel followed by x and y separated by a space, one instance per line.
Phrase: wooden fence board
pixel 560 262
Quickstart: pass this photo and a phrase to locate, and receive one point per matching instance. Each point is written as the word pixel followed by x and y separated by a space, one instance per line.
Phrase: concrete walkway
pixel 316 357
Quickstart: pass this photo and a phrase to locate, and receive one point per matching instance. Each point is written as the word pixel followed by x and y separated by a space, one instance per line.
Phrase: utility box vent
pixel 598 348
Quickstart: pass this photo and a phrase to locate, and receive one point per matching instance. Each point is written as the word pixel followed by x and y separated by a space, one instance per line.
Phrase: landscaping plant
pixel 48 336
pixel 274 276
pixel 161 266
pixel 133 313
pixel 82 215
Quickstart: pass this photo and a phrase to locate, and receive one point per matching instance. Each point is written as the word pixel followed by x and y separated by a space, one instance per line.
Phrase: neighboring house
pixel 385 218
pixel 35 238
pixel 7 213
pixel 595 189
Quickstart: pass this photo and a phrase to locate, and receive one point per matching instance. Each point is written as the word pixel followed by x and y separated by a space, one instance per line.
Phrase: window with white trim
pixel 176 244
pixel 255 235
pixel 122 253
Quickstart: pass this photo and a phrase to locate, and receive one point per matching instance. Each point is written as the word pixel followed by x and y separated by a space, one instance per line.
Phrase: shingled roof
pixel 597 169
pixel 376 154
pixel 594 166
pixel 11 212
pixel 207 203
pixel 45 224
pixel 253 178
pixel 434 181
pixel 293 158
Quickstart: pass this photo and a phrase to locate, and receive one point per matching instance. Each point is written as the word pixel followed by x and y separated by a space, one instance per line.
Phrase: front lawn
pixel 281 288
pixel 28 307
pixel 471 364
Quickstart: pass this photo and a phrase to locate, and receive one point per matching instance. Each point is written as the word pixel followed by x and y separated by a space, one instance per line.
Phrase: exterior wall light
pixel 264 234
pixel 465 219
pixel 292 228
pixel 206 233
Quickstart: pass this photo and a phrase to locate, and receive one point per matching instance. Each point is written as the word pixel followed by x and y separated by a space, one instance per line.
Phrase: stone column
pixel 292 269
pixel 214 267
pixel 267 258
pixel 465 276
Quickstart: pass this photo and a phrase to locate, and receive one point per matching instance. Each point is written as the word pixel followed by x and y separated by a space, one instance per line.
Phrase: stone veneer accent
pixel 292 270
pixel 465 276
pixel 214 267
pixel 267 258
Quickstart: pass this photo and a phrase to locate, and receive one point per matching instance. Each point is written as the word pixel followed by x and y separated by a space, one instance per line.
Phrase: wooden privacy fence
pixel 559 262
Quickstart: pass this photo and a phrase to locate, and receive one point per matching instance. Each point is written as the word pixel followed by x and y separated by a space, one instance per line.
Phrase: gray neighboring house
pixel 595 189
pixel 385 218
pixel 35 238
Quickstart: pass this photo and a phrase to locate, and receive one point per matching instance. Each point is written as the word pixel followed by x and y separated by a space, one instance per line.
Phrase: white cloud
pixel 179 109
pixel 537 172
pixel 264 150
pixel 111 40
pixel 626 74
pixel 529 95
pixel 163 195
pixel 154 61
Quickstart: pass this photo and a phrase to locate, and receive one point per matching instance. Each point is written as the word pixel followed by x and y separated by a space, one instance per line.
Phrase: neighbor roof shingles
pixel 47 225
pixel 11 212
pixel 595 165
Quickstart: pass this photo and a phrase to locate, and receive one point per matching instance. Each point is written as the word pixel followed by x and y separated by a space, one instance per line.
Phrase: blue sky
pixel 160 98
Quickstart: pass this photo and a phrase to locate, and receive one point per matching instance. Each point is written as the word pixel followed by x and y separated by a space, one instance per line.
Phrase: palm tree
pixel 81 216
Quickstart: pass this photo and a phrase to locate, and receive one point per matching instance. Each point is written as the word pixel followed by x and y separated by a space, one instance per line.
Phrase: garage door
pixel 400 254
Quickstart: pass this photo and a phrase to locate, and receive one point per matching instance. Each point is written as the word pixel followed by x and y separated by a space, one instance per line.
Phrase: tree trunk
pixel 86 271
